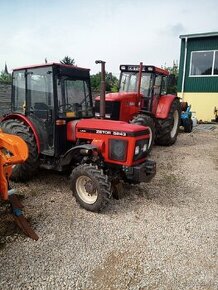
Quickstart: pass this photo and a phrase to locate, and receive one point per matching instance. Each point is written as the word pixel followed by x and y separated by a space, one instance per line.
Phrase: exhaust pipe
pixel 140 77
pixel 103 87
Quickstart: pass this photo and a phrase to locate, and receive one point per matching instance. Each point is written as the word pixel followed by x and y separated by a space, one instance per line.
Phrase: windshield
pixel 74 98
pixel 129 82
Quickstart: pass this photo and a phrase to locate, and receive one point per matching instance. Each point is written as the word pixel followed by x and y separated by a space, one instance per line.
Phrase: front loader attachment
pixel 13 150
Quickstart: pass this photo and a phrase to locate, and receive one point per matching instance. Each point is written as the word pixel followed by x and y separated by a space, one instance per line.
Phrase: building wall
pixel 201 92
pixel 202 83
pixel 202 103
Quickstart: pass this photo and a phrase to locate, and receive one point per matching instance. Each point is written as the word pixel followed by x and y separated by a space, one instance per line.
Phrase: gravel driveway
pixel 161 235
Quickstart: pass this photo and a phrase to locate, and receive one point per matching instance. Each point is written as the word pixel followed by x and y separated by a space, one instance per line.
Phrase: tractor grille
pixel 112 110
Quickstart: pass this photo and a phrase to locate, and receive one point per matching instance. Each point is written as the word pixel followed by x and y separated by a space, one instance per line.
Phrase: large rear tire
pixel 90 187
pixel 26 170
pixel 147 121
pixel 167 129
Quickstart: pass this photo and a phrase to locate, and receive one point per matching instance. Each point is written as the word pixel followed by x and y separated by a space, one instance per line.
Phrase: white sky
pixel 117 31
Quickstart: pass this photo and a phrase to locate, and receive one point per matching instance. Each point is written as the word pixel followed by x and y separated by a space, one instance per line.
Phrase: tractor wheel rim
pixel 150 138
pixel 175 124
pixel 84 194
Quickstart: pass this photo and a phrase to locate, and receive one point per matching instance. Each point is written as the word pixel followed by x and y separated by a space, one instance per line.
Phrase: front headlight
pixel 118 149
pixel 137 150
pixel 141 148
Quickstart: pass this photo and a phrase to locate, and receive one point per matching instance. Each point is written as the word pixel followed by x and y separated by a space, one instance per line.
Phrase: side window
pixel 19 91
pixel 40 91
pixel 157 85
pixel 164 86
pixel 146 83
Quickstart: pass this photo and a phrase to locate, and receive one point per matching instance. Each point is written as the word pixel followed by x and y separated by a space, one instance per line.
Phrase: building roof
pixel 198 35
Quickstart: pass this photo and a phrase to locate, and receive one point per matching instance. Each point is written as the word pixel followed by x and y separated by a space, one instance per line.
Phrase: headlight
pixel 118 149
pixel 137 150
pixel 141 148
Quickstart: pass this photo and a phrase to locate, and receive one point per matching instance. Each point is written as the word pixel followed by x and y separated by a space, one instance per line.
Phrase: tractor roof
pixel 60 65
pixel 145 68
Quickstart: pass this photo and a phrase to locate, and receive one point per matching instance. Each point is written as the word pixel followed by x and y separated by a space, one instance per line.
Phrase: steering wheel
pixel 65 107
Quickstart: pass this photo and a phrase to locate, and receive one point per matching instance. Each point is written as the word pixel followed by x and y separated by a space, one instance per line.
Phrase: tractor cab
pixel 148 81
pixel 50 95
pixel 140 88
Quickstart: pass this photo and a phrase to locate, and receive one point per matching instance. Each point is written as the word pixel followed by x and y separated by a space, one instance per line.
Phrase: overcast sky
pixel 117 31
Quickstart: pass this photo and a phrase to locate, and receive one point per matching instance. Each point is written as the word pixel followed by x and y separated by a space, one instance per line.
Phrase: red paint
pixel 164 105
pixel 161 71
pixel 27 122
pixel 102 140
pixel 129 104
pixel 50 64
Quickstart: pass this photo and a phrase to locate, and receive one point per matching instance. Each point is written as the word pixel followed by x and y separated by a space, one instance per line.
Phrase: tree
pixel 5 78
pixel 173 78
pixel 111 82
pixel 68 60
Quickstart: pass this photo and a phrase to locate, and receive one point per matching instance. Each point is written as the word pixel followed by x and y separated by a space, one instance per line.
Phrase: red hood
pixel 119 96
pixel 109 125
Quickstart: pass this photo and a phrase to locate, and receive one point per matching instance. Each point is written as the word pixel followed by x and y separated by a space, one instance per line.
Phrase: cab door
pixel 40 106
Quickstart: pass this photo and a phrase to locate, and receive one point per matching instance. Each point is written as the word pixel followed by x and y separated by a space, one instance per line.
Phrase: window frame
pixel 213 63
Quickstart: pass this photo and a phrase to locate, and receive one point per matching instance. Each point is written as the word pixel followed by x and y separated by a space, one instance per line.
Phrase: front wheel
pixel 167 129
pixel 90 187
pixel 188 125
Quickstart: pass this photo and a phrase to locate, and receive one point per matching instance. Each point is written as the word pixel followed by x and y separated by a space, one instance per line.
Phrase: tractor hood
pixel 120 96
pixel 91 127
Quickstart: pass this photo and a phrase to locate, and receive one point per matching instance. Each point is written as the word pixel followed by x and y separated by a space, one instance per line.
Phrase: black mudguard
pixel 74 154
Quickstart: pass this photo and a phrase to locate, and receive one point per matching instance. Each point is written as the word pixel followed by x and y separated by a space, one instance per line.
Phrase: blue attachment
pixel 187 114
pixel 17 212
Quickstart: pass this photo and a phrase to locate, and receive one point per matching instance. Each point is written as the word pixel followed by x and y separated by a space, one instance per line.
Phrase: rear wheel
pixel 26 170
pixel 147 121
pixel 167 129
pixel 90 187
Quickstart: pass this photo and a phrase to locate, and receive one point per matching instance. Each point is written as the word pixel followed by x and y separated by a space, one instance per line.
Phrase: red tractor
pixel 52 111
pixel 142 99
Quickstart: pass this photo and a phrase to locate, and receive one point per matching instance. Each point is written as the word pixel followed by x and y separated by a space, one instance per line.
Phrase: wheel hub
pixel 89 187
pixel 86 189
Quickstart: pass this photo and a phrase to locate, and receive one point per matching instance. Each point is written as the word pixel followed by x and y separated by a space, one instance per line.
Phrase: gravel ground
pixel 161 235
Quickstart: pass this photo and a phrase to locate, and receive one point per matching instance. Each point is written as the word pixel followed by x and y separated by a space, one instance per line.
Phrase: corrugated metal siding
pixel 5 98
pixel 197 84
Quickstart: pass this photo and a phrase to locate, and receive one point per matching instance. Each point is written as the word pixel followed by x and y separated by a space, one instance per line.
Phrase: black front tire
pixel 167 129
pixel 147 121
pixel 26 170
pixel 91 187
pixel 188 125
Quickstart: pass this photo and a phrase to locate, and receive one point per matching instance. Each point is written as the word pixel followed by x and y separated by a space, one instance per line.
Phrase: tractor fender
pixel 28 123
pixel 75 153
pixel 164 105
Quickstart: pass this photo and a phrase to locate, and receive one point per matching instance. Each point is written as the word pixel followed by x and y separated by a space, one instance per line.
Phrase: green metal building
pixel 198 73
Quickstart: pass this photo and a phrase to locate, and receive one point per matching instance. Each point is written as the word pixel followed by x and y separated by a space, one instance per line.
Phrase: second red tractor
pixel 142 99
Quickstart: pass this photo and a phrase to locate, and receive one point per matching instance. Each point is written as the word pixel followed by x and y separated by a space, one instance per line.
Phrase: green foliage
pixel 173 78
pixel 5 78
pixel 68 60
pixel 111 82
